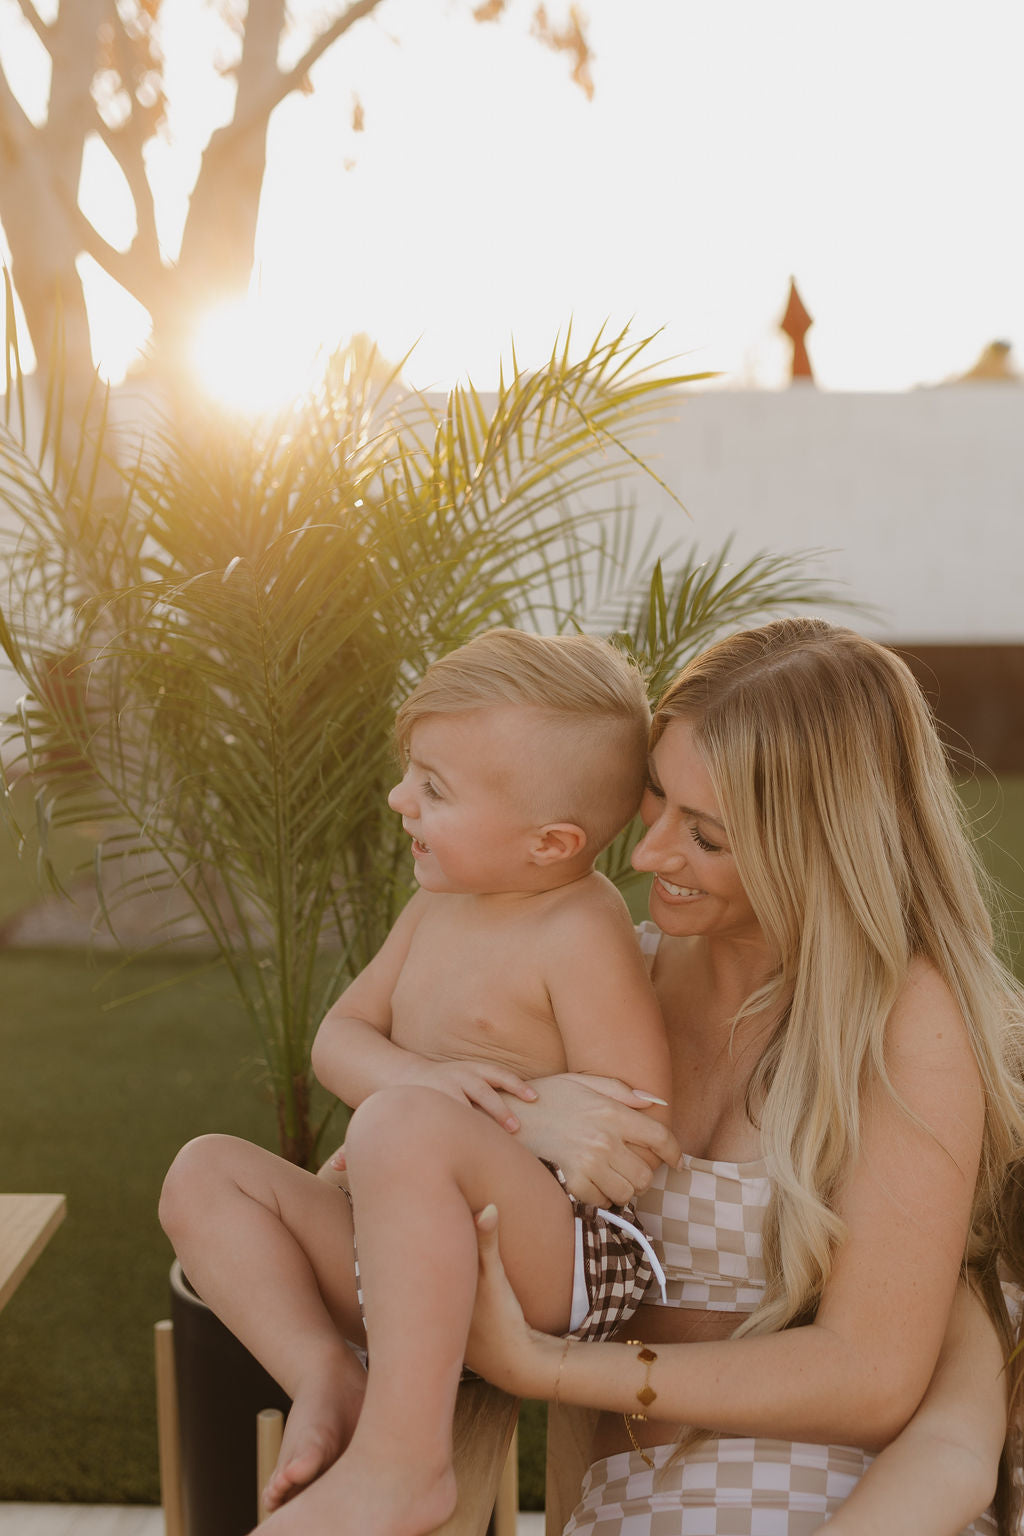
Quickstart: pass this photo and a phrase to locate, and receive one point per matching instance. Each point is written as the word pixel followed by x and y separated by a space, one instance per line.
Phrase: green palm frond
pixel 214 644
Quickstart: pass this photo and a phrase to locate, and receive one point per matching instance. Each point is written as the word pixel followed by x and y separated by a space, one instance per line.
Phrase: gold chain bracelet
pixel 561 1363
pixel 645 1395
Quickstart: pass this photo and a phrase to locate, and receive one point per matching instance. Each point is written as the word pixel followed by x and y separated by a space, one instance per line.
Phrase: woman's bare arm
pixel 936 1476
pixel 857 1373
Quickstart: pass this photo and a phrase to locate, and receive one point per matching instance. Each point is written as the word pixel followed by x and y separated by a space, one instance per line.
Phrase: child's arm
pixel 936 1476
pixel 353 1055
pixel 603 1000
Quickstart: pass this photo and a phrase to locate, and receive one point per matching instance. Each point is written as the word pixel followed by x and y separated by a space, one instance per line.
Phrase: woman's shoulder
pixel 926 1008
pixel 930 1056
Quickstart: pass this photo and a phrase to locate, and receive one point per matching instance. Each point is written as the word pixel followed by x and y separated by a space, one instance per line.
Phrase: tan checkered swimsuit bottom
pixel 705 1221
pixel 725 1487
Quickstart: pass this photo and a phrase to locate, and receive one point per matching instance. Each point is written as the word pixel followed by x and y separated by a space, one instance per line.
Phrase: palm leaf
pixel 214 646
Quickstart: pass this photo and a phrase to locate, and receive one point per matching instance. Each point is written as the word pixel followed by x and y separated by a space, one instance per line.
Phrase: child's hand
pixel 476 1083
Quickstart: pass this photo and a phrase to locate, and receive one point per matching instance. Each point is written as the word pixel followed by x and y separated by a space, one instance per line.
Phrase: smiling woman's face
pixel 696 887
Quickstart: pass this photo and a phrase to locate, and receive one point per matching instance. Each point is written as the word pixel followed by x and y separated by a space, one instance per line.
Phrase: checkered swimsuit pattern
pixel 727 1487
pixel 616 1269
pixel 706 1220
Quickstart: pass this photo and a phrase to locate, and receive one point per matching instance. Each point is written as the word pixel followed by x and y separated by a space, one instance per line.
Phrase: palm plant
pixel 213 654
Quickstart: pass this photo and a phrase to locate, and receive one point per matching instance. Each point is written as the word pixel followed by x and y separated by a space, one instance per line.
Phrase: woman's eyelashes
pixel 703 842
pixel 430 791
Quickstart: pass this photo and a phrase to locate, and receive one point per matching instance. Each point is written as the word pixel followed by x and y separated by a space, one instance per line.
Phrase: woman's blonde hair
pixel 851 843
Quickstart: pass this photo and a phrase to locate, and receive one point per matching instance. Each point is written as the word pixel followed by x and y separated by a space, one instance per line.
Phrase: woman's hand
pixel 597 1131
pixel 502 1347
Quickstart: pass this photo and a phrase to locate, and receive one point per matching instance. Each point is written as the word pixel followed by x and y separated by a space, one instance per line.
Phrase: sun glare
pixel 252 358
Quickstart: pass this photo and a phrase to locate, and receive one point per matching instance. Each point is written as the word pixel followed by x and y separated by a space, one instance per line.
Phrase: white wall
pixel 919 496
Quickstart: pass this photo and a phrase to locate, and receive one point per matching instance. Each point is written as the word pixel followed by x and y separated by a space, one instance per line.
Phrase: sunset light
pixel 252 358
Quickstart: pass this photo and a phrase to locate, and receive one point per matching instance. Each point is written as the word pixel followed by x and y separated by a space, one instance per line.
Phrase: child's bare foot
pixel 357 1498
pixel 319 1426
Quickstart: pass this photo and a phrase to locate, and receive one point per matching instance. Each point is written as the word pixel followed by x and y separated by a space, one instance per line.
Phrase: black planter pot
pixel 221 1389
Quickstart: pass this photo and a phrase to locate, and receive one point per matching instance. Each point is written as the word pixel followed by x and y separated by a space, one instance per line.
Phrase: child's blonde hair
pixel 586 696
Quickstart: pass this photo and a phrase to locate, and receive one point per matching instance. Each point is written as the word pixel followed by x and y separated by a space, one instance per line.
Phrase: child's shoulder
pixel 588 903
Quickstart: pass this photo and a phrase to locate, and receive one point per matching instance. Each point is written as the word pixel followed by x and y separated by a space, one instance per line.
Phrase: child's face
pixel 461 803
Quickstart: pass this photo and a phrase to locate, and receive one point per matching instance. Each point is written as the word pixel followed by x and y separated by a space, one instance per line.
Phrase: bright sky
pixel 873 150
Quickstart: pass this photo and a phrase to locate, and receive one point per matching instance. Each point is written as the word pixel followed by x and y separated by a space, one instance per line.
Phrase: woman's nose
pixel 641 855
pixel 651 851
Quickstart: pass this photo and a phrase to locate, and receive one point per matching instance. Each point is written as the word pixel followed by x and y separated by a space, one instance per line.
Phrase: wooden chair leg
pixel 168 1433
pixel 269 1429
pixel 506 1505
pixel 570 1433
pixel 485 1421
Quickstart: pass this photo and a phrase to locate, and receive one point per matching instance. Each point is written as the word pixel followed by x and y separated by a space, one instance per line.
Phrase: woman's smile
pixel 678 891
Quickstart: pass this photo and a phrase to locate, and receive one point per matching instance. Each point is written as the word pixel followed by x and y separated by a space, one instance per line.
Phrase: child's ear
pixel 557 841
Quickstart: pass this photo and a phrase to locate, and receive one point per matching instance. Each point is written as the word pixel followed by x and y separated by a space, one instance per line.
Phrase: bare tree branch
pixel 124 55
pixel 126 144
pixel 135 269
pixel 292 81
pixel 15 124
pixel 257 73
pixel 42 29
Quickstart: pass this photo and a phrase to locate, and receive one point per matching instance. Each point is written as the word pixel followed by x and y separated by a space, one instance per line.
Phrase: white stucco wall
pixel 918 497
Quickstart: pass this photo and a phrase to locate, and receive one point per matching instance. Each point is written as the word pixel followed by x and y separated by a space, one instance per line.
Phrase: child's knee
pixel 399 1125
pixel 187 1181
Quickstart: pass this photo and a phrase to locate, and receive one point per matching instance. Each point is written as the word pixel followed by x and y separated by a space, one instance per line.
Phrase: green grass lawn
pixel 94 1103
pixel 95 1098
pixel 996 809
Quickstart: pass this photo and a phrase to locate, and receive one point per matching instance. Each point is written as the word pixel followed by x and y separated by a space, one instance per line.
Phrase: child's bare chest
pixel 475 989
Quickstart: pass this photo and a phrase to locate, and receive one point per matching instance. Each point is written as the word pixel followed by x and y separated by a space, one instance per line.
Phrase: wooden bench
pixel 27 1222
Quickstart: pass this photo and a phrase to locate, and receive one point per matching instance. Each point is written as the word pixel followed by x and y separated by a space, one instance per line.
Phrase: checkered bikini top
pixel 705 1220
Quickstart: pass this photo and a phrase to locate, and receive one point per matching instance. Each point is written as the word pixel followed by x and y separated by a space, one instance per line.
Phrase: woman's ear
pixel 557 841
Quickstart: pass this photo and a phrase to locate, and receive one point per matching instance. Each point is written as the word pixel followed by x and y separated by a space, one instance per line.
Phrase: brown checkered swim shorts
pixel 614 1266
pixel 725 1487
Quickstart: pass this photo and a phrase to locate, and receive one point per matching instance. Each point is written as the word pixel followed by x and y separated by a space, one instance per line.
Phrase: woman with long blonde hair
pixel 848 1086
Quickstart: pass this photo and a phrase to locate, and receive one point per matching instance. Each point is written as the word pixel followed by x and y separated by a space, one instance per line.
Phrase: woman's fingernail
pixel 530 1094
pixel 649 1098
pixel 511 1124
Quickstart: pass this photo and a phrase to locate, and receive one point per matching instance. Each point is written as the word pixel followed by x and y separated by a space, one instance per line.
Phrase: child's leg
pixel 419 1166
pixel 269 1248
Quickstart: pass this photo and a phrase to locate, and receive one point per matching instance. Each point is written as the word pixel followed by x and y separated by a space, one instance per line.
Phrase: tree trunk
pixel 40 168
